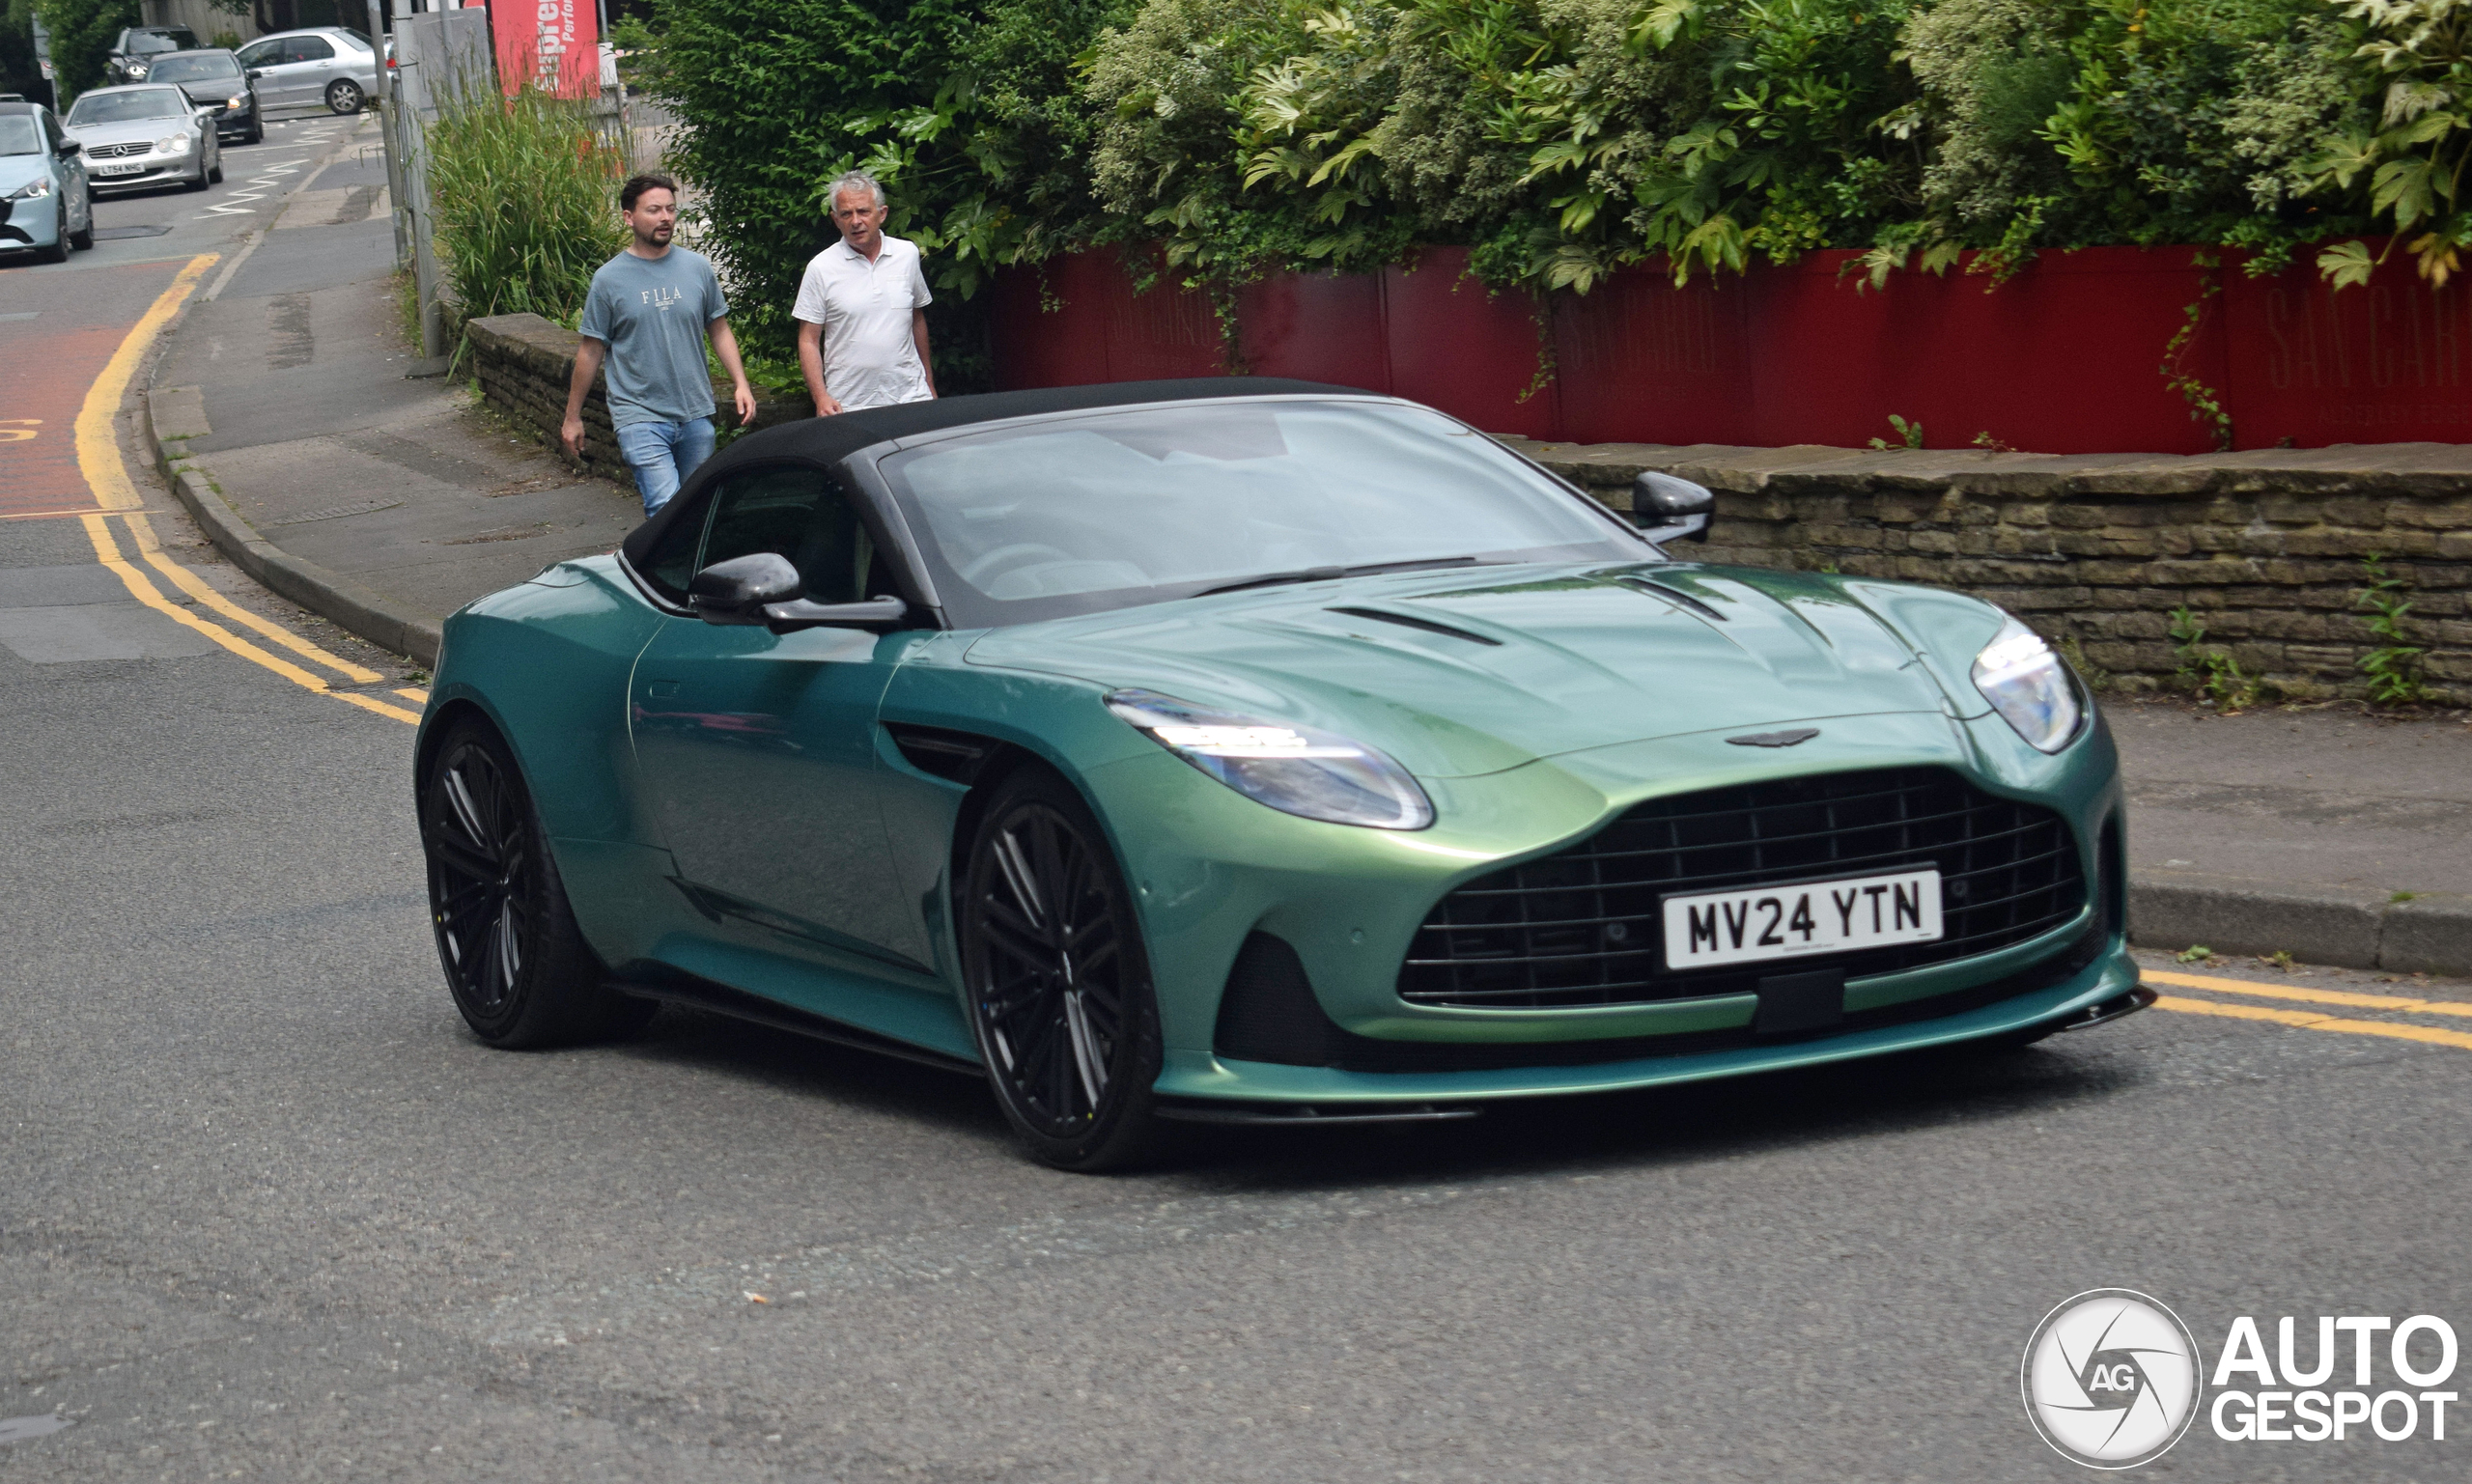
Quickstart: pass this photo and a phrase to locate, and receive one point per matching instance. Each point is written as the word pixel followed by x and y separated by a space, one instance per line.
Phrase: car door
pixel 308 64
pixel 758 749
pixel 262 57
pixel 77 192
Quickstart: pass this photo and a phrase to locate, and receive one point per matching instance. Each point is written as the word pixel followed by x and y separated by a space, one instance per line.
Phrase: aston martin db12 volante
pixel 1252 751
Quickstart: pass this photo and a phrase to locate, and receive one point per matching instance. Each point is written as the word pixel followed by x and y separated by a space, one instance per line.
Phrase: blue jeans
pixel 663 454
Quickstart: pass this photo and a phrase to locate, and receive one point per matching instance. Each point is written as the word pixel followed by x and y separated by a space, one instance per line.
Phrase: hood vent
pixel 1680 600
pixel 1429 625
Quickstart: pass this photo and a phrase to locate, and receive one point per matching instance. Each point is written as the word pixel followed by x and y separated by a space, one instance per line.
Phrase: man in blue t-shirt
pixel 650 312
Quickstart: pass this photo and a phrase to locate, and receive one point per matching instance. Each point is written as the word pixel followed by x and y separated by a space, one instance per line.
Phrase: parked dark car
pixel 215 79
pixel 134 50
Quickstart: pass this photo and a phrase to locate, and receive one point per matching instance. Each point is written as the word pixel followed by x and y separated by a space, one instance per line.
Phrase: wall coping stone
pixel 2418 470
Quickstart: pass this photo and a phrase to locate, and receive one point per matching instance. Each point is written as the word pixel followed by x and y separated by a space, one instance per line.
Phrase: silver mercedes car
pixel 145 134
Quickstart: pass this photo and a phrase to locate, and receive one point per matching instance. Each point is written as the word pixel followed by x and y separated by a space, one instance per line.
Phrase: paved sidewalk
pixel 381 500
pixel 385 503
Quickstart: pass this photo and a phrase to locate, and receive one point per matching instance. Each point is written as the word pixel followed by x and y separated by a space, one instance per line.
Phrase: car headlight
pixel 242 101
pixel 33 190
pixel 1292 768
pixel 178 144
pixel 135 70
pixel 2026 683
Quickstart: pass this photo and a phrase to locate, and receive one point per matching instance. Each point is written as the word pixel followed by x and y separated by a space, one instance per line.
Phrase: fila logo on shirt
pixel 663 297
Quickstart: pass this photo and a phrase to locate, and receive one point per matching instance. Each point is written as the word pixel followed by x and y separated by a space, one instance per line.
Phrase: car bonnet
pixel 1462 674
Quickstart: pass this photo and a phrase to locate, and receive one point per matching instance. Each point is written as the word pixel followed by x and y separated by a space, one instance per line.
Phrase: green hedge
pixel 1565 138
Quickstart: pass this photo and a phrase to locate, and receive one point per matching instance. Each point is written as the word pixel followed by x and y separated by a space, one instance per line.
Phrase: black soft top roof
pixel 831 439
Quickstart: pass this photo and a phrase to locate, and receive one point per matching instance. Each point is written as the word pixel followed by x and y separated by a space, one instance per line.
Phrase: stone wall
pixel 525 364
pixel 2095 551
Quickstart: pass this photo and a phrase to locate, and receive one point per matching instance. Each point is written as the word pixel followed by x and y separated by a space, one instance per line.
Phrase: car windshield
pixel 1114 509
pixel 145 43
pixel 196 69
pixel 122 108
pixel 18 135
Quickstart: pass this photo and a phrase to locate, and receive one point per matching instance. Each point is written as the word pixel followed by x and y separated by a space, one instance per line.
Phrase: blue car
pixel 45 205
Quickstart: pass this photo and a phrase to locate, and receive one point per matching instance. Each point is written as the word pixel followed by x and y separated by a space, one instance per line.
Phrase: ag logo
pixel 2111 1379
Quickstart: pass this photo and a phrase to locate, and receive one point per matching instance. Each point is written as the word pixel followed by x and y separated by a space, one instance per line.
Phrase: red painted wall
pixel 2063 357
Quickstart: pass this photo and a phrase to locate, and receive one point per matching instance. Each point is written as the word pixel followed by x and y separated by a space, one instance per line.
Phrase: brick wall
pixel 2263 547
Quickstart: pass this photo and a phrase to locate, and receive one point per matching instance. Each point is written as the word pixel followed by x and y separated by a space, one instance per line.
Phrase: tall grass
pixel 526 195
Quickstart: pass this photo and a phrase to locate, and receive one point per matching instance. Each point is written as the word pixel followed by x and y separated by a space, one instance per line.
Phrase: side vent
pixel 954 755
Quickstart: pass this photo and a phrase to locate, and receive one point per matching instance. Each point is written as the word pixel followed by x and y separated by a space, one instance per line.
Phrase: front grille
pixel 118 150
pixel 1583 927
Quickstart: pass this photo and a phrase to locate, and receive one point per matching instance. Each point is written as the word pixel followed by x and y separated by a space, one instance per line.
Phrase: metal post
pixel 389 111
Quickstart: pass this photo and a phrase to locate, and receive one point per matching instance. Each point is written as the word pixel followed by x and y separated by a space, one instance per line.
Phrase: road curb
pixel 2350 926
pixel 328 594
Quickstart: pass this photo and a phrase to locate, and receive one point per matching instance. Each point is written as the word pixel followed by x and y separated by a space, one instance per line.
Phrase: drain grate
pixel 338 511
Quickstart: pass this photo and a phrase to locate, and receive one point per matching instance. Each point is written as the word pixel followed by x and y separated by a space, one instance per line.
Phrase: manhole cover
pixel 19 1429
pixel 115 235
pixel 338 511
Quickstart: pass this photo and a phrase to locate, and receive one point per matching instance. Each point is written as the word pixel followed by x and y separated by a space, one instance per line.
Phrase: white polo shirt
pixel 869 358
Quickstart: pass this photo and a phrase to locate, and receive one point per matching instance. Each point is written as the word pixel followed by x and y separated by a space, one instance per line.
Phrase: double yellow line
pixel 98 459
pixel 2307 1019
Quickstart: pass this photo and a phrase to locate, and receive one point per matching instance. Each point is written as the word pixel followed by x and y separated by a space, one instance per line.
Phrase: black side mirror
pixel 1668 509
pixel 70 148
pixel 255 74
pixel 763 588
pixel 737 591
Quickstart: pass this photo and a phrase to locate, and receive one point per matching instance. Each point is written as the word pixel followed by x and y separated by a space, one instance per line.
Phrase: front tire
pixel 58 251
pixel 1061 998
pixel 343 95
pixel 516 964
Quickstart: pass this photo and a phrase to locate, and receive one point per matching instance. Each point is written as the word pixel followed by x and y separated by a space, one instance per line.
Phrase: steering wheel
pixel 1004 559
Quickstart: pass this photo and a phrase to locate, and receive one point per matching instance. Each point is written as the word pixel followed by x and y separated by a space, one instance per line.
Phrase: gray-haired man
pixel 863 310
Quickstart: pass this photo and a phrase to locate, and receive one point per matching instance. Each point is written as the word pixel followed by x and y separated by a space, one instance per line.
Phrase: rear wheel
pixel 518 966
pixel 1060 998
pixel 343 95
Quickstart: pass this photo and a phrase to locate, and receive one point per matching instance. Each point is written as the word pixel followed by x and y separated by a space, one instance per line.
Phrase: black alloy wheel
pixel 1060 984
pixel 343 95
pixel 519 967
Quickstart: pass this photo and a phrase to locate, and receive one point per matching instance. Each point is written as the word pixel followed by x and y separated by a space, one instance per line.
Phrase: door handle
pixel 662 689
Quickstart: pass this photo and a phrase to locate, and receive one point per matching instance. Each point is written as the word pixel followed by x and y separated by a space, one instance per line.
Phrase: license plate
pixel 138 168
pixel 1759 923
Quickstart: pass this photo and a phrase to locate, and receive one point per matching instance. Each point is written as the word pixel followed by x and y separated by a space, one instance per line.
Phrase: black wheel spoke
pixel 1044 933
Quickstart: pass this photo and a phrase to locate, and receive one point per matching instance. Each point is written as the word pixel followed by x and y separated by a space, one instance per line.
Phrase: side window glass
pixel 799 513
pixel 670 565
pixel 308 48
pixel 259 53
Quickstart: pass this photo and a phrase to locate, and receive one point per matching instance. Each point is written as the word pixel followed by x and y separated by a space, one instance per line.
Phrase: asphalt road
pixel 266 1212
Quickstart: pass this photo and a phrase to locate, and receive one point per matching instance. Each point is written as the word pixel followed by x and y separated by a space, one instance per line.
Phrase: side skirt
pixel 671 987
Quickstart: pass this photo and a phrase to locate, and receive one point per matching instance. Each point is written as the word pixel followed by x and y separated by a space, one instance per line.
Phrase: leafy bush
pixel 1562 139
pixel 526 194
pixel 82 33
pixel 966 112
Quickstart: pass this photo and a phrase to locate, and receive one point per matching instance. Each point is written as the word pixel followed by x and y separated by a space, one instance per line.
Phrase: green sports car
pixel 1252 751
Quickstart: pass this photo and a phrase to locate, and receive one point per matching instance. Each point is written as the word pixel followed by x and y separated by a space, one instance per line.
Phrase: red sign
pixel 553 45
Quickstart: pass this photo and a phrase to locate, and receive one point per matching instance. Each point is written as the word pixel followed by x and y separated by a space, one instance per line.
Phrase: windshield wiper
pixel 1327 573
